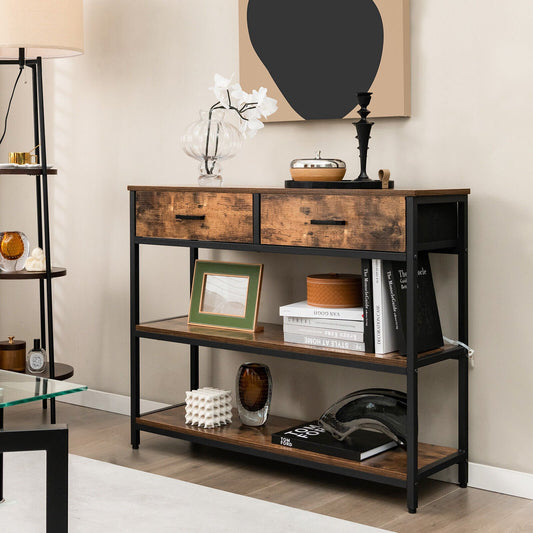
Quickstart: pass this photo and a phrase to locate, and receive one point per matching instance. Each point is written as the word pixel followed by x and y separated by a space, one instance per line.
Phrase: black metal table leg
pixel 135 385
pixel 54 440
pixel 194 351
pixel 462 265
pixel 412 370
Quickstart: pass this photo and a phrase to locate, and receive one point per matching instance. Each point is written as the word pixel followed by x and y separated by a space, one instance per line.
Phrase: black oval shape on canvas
pixel 320 53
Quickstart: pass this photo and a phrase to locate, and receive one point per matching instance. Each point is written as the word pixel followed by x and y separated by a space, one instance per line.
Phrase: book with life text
pixel 313 437
pixel 335 323
pixel 385 339
pixel 428 332
pixel 368 304
pixel 326 332
pixel 324 342
pixel 302 309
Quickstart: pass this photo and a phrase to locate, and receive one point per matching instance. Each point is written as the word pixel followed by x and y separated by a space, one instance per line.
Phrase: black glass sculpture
pixel 384 410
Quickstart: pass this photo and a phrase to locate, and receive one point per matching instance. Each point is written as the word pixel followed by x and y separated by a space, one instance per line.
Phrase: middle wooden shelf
pixel 270 342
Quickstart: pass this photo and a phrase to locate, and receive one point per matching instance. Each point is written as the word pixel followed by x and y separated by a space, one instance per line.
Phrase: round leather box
pixel 334 290
pixel 13 355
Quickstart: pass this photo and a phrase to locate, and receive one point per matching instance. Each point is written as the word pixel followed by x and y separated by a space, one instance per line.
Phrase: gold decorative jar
pixel 13 355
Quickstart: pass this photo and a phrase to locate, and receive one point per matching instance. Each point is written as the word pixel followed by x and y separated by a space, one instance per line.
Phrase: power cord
pixel 10 100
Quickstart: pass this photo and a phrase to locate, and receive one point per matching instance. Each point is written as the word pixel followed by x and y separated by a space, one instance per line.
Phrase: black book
pixel 428 332
pixel 313 437
pixel 368 305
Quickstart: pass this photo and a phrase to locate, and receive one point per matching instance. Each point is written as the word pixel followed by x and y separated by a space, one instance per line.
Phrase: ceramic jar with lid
pixel 318 169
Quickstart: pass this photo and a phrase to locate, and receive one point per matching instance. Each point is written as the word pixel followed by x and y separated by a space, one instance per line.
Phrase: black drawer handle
pixel 190 217
pixel 329 222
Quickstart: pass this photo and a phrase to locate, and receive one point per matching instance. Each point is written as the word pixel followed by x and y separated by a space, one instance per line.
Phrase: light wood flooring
pixel 443 507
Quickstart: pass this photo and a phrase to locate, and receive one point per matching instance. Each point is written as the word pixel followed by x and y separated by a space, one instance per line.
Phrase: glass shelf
pixel 16 388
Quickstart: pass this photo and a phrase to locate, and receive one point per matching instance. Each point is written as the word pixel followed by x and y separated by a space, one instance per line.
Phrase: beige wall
pixel 114 117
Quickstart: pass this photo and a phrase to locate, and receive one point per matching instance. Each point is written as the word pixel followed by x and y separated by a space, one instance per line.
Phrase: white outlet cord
pixel 468 349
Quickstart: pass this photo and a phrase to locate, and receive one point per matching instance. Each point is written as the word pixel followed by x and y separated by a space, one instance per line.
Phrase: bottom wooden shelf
pixel 391 464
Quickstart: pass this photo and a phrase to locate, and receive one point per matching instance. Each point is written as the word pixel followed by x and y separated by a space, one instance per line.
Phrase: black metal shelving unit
pixel 397 467
pixel 41 174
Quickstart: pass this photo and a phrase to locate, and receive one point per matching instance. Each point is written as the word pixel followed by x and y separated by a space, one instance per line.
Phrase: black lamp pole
pixel 43 221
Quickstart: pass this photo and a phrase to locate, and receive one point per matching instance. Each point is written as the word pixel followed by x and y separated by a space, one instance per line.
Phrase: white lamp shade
pixel 44 28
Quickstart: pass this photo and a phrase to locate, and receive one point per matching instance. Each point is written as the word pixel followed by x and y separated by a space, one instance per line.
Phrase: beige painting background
pixel 391 88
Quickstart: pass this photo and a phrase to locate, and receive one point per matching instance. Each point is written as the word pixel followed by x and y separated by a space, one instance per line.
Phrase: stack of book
pixel 323 327
pixel 385 306
pixel 380 325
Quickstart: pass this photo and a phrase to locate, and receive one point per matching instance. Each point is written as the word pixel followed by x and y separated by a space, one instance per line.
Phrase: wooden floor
pixel 443 507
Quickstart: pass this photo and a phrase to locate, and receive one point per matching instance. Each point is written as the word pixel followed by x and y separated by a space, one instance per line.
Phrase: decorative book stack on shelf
pixel 341 329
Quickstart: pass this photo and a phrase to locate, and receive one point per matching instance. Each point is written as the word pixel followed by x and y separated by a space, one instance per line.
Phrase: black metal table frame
pixel 43 220
pixel 456 247
pixel 54 440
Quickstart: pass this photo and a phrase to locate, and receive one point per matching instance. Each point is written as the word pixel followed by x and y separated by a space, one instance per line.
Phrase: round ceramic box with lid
pixel 13 355
pixel 318 169
pixel 334 290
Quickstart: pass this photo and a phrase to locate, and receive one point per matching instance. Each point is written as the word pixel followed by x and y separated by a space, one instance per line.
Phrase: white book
pixel 336 323
pixel 309 311
pixel 384 333
pixel 333 344
pixel 326 332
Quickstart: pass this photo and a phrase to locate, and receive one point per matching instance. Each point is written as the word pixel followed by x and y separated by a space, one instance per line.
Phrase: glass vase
pixel 254 392
pixel 14 250
pixel 211 140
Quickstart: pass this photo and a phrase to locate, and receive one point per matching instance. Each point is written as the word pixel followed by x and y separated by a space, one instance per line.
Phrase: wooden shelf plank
pixel 272 339
pixel 36 171
pixel 390 464
pixel 57 272
pixel 343 192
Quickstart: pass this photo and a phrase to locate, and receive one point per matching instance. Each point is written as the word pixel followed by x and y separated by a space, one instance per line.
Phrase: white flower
pixel 265 105
pixel 238 96
pixel 249 107
pixel 221 89
pixel 250 127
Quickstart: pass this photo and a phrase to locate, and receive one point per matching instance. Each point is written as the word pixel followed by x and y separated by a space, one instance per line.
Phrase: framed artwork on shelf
pixel 314 56
pixel 225 295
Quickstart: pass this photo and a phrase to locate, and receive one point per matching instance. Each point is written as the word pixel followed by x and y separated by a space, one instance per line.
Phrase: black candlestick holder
pixel 363 127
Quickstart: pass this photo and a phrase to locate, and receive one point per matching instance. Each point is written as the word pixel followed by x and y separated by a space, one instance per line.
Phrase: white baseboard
pixel 480 476
pixel 494 479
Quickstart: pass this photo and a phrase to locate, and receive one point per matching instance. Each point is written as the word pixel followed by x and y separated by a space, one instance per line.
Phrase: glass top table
pixel 16 388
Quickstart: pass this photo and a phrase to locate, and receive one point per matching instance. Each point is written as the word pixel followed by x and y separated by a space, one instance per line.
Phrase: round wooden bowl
pixel 318 174
pixel 334 290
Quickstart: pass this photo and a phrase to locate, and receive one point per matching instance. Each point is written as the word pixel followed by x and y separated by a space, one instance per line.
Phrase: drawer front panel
pixel 334 221
pixel 196 216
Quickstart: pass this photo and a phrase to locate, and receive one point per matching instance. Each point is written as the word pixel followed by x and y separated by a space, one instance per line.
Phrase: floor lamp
pixel 31 30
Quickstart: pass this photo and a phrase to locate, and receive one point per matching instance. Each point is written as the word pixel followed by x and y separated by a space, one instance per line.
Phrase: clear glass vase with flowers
pixel 214 137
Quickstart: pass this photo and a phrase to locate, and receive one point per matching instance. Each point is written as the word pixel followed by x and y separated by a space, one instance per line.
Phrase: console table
pixel 382 224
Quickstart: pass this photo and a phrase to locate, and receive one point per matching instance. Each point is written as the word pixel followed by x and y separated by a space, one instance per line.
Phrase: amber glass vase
pixel 14 250
pixel 254 391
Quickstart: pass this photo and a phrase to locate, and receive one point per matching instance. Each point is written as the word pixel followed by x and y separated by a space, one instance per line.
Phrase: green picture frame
pixel 225 295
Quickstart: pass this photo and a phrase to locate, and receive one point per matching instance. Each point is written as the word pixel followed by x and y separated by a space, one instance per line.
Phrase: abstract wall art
pixel 314 56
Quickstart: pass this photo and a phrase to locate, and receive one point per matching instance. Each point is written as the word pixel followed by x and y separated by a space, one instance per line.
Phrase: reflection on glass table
pixel 16 388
